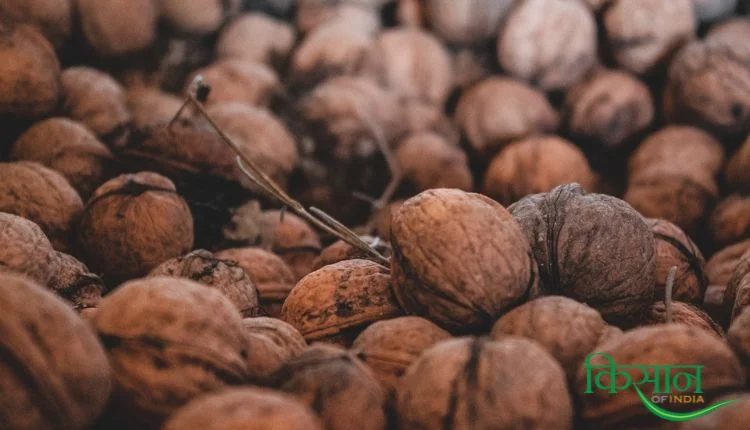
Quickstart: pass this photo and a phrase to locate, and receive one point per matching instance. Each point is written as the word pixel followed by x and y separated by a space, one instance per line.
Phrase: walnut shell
pixel 75 283
pixel 421 118
pixel 331 49
pixel 68 148
pixel 737 294
pixel 389 347
pixel 337 302
pixel 460 383
pixel 52 17
pixel 269 348
pixel 236 80
pixel 675 145
pixel 609 108
pixel 271 275
pixel 567 329
pixel 465 22
pixel 720 267
pixel 473 266
pixel 729 30
pixel 736 172
pixel 713 302
pixel 497 111
pixel 197 17
pixel 54 371
pixel 42 195
pixel 535 165
pixel 675 248
pixel 549 43
pixel 169 340
pixel 30 87
pixel 133 223
pixel 224 275
pixel 26 249
pixel 385 218
pixel 151 106
pixel 248 408
pixel 282 334
pixel 342 251
pixel 665 344
pixel 116 28
pixel 593 248
pixel 687 314
pixel 315 14
pixel 428 161
pixel 257 37
pixel 733 416
pixel 738 337
pixel 642 35
pixel 729 222
pixel 713 10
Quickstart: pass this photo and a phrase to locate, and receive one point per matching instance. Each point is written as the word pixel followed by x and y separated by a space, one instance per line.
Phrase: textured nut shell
pixel 466 22
pixel 31 73
pixel 94 99
pixel 389 347
pixel 738 167
pixel 197 17
pixel 666 344
pixel 346 295
pixel 720 267
pixel 428 161
pixel 548 43
pixel 535 165
pixel 729 30
pixel 499 110
pixel 52 17
pixel 675 248
pixel 734 416
pixel 567 329
pixel 459 259
pixel 460 383
pixel 333 48
pixel 608 108
pixel 684 146
pixel 593 248
pixel 341 251
pixel 271 343
pixel 226 276
pixel 238 80
pixel 729 221
pixel 257 37
pixel 282 334
pixel 244 408
pixel 68 148
pixel 385 218
pixel 133 223
pixel 314 14
pixel 644 34
pixel 54 371
pixel 738 337
pixel 75 283
pixel 118 27
pixel 26 249
pixel 337 386
pixel 687 314
pixel 151 106
pixel 42 195
pixel 169 340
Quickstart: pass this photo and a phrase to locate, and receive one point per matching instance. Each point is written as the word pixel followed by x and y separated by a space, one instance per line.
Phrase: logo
pixel 672 385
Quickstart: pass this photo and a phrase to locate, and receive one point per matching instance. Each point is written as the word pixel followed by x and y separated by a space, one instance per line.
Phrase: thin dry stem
pixel 668 293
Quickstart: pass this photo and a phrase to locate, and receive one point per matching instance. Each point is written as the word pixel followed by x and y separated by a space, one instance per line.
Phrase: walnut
pixel 224 275
pixel 497 111
pixel 280 333
pixel 389 347
pixel 428 161
pixel 720 267
pixel 421 118
pixel 235 80
pixel 30 87
pixel 642 35
pixel 535 165
pixel 729 222
pixel 272 276
pixel 169 340
pixel 197 17
pixel 609 108
pixel 133 223
pixel 739 338
pixel 68 148
pixel 116 28
pixel 737 293
pixel 385 218
pixel 473 266
pixel 52 17
pixel 549 43
pixel 75 283
pixel 42 195
pixel 732 416
pixel 713 10
pixel 315 14
pixel 675 249
pixel 567 329
pixel 678 146
pixel 729 30
pixel 342 251
pixel 258 38
pixel 687 314
pixel 736 172
pixel 248 408
pixel 593 248
pixel 26 249
pixel 335 303
pixel 665 344
pixel 331 49
pixel 54 371
pixel 460 383
pixel 466 22
pixel 151 106
pixel 267 353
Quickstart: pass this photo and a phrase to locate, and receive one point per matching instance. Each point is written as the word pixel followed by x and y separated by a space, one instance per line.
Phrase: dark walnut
pixel 271 275
pixel 236 80
pixel 686 314
pixel 608 109
pixel 271 343
pixel 257 37
pixel 729 222
pixel 246 408
pixel 341 251
pixel 54 18
pixel 497 111
pixel 200 17
pixel 460 383
pixel 42 195
pixel 133 223
pixel 116 28
pixel 26 249
pixel 548 43
pixel 737 170
pixel 734 416
pixel 76 284
pixel 69 148
pixel 224 275
pixel 736 292
pixel 54 371
pixel 337 386
pixel 535 165
pixel 334 304
pixel 389 347
pixel 30 87
pixel 676 145
pixel 713 302
pixel 169 340
pixel 427 160
pixel 738 337
pixel 459 259
pixel 567 329
pixel 593 248
pixel 642 35
pixel 665 344
pixel 675 249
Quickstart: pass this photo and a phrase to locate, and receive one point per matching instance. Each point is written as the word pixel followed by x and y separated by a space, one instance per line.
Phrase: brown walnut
pixel 720 267
pixel 675 249
pixel 257 37
pixel 738 337
pixel 685 146
pixel 465 22
pixel 26 249
pixel 737 170
pixel 75 283
pixel 731 417
pixel 428 161
pixel 236 80
pixel 197 17
pixel 151 106
pixel 342 251
pixel 729 222
pixel 329 50
pixel 52 17
pixel 271 343
pixel 686 314
pixel 713 10
pixel 116 28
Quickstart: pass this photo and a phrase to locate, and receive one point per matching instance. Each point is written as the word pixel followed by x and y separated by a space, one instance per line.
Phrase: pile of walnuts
pixel 372 214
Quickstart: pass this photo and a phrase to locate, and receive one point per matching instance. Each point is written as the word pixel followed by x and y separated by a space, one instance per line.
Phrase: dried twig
pixel 668 293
